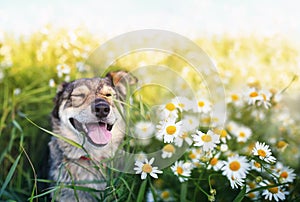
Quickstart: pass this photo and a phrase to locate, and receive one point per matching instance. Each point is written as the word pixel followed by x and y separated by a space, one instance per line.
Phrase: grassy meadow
pixel 32 67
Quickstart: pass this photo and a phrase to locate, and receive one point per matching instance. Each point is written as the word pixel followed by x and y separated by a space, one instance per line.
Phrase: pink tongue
pixel 98 133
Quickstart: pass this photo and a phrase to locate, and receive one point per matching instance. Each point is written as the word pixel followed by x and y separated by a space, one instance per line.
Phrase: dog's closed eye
pixel 81 95
pixel 108 95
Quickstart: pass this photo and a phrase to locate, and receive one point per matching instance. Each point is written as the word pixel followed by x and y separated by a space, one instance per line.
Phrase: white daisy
pixel 274 192
pixel 252 96
pixel 168 130
pixel 265 99
pixel 168 151
pixel 236 167
pixel 169 110
pixel 166 195
pixel 215 163
pixel 143 131
pixel 256 166
pixel 224 147
pixel 140 156
pixel 231 126
pixel 236 182
pixel 281 145
pixel 263 152
pixel 203 106
pixel 242 133
pixel 146 168
pixel 207 141
pixel 252 195
pixel 52 83
pixel 63 69
pixel 182 170
pixel 183 137
pixel 195 155
pixel 182 103
pixel 190 123
pixel 236 99
pixel 224 136
pixel 286 174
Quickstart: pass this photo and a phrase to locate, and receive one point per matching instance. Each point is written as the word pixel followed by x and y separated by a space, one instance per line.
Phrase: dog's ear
pixel 121 80
pixel 58 99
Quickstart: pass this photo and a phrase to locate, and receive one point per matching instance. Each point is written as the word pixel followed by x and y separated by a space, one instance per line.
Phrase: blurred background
pixel 192 18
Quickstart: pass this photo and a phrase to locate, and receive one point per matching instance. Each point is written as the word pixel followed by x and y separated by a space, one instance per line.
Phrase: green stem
pixel 202 190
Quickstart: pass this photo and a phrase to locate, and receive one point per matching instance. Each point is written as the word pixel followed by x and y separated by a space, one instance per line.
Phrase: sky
pixel 190 18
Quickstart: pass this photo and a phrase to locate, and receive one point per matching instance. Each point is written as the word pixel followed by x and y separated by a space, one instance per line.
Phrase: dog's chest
pixel 85 171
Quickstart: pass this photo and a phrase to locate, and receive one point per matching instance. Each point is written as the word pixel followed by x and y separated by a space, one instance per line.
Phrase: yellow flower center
pixel 206 120
pixel 281 144
pixel 284 174
pixel 206 138
pixel 253 94
pixel 170 106
pixel 179 170
pixel 213 161
pixel 257 165
pixel 169 148
pixel 144 129
pixel 223 133
pixel 184 135
pixel 251 195
pixel 234 97
pixel 262 153
pixel 251 185
pixel 147 168
pixel 273 190
pixel 234 165
pixel 165 195
pixel 242 134
pixel 192 156
pixel 171 130
pixel 201 104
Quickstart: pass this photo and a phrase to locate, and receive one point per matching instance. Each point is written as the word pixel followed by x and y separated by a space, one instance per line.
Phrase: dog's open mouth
pixel 99 133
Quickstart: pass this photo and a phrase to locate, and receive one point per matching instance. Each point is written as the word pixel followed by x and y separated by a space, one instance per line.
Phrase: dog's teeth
pixel 84 128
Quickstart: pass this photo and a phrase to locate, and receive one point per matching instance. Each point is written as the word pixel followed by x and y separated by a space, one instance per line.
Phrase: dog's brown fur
pixel 79 106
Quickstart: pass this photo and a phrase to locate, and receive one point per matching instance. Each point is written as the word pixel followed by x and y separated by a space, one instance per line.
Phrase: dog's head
pixel 87 110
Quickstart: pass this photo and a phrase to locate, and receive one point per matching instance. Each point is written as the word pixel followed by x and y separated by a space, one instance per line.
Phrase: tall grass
pixel 27 64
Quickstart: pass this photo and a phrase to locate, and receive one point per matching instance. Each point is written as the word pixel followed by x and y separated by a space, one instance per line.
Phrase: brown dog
pixel 86 112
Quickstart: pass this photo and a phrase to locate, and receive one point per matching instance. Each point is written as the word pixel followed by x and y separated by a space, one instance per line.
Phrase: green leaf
pixel 127 186
pixel 17 125
pixel 43 194
pixel 241 195
pixel 71 142
pixel 10 174
pixel 142 191
pixel 152 191
pixel 183 191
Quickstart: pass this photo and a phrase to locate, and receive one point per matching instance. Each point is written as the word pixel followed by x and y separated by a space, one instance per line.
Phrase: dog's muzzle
pixel 97 133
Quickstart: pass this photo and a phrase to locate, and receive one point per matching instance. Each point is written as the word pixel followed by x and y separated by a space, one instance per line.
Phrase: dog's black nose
pixel 101 108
